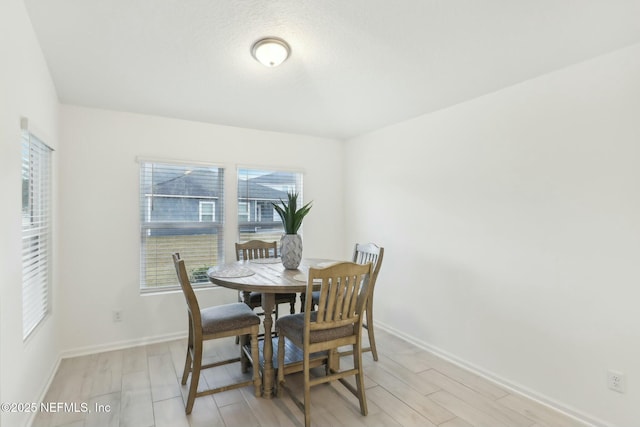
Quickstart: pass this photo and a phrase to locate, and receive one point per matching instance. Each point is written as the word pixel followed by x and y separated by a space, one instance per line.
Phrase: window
pixel 207 211
pixel 36 232
pixel 181 210
pixel 257 189
pixel 243 211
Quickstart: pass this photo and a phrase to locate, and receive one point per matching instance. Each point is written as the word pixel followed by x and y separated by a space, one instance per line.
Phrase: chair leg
pixel 357 363
pixel 187 362
pixel 243 297
pixel 292 306
pixel 331 362
pixel 372 338
pixel 237 337
pixel 255 357
pixel 307 390
pixel 195 376
pixel 280 382
pixel 244 361
pixel 187 366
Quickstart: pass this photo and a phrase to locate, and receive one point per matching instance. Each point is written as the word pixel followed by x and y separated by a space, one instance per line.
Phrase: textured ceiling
pixel 356 65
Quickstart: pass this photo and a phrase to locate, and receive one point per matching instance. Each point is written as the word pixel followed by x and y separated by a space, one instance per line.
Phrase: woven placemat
pixel 302 277
pixel 231 272
pixel 326 264
pixel 265 260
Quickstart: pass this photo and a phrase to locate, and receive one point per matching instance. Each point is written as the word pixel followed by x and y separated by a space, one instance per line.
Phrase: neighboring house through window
pixel 181 210
pixel 36 230
pixel 257 190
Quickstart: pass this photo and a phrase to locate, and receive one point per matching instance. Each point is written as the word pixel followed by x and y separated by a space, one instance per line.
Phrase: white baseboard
pixel 119 345
pixel 580 416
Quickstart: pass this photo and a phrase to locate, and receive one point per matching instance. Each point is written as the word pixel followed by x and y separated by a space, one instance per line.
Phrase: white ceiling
pixel 356 65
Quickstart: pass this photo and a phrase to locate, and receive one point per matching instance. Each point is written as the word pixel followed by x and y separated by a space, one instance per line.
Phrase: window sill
pixel 175 289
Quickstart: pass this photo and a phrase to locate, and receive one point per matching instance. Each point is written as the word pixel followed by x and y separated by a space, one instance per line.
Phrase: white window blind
pixel 36 231
pixel 257 189
pixel 181 210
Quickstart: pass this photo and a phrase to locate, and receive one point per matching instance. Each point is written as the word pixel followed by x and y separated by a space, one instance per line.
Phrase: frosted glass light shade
pixel 270 52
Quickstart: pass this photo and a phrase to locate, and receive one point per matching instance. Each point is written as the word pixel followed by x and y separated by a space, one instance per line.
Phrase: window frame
pixel 36 224
pixel 146 228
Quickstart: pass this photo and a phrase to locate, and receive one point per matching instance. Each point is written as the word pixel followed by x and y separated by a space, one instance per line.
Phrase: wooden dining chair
pixel 362 254
pixel 235 319
pixel 344 290
pixel 255 249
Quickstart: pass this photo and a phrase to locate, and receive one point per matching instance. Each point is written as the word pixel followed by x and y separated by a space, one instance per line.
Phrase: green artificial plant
pixel 290 214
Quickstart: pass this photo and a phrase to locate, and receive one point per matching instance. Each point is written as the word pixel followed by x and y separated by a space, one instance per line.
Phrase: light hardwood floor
pixel 406 387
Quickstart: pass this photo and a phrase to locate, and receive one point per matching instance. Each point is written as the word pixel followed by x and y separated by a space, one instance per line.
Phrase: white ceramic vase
pixel 291 250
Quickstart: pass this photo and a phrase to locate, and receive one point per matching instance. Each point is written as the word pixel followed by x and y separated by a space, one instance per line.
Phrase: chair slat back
pixel 187 289
pixel 254 249
pixel 369 252
pixel 343 294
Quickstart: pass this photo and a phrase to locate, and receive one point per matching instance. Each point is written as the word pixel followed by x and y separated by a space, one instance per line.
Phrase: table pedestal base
pixel 293 362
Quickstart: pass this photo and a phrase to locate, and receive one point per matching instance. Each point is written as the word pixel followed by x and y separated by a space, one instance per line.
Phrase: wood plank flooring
pixel 407 387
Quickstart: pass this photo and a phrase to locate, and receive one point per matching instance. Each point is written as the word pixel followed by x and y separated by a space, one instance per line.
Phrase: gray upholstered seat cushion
pixel 227 317
pixel 293 327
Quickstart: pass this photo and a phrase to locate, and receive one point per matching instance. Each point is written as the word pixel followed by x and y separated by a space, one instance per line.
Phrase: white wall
pixel 512 232
pixel 99 265
pixel 26 91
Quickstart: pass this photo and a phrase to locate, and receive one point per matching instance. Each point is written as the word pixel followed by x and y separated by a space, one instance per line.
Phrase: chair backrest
pixel 187 290
pixel 343 294
pixel 369 252
pixel 256 249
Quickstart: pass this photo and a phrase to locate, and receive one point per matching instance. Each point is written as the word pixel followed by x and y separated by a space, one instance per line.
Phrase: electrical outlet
pixel 617 381
pixel 117 316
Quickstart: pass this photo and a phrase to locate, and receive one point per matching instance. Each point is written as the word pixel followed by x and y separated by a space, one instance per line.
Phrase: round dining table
pixel 269 277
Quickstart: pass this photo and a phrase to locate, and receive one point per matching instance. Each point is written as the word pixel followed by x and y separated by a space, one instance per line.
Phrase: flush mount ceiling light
pixel 270 51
